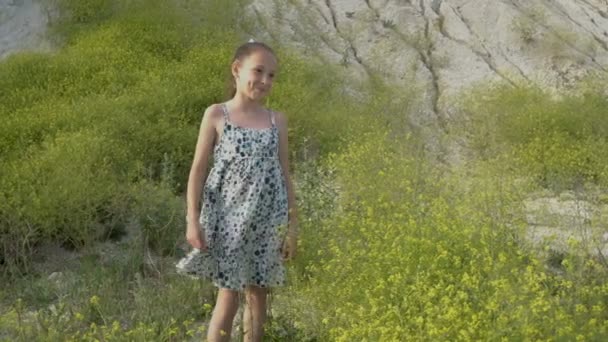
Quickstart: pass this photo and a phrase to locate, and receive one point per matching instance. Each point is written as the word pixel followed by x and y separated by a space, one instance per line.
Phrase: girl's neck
pixel 245 104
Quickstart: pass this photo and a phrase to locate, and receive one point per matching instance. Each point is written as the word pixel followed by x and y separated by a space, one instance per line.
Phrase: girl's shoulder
pixel 280 118
pixel 214 108
pixel 214 112
pixel 212 117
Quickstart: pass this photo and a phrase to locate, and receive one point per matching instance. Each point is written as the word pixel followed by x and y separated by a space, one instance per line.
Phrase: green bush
pixel 159 213
pixel 562 143
pixel 62 190
pixel 413 254
pixel 127 89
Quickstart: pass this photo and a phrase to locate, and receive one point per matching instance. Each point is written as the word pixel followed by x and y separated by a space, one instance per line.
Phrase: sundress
pixel 244 211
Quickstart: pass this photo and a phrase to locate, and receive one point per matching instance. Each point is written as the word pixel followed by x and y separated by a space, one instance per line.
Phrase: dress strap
pixel 272 117
pixel 225 110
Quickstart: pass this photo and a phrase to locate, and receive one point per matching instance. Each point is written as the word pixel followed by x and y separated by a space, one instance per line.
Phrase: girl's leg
pixel 220 326
pixel 254 313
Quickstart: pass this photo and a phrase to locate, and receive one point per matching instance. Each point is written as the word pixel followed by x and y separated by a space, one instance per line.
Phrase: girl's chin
pixel 256 95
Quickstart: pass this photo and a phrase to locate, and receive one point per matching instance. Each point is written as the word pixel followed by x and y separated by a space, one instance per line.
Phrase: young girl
pixel 248 199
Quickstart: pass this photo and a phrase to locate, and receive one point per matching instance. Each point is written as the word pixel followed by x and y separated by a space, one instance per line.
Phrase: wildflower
pixel 94 300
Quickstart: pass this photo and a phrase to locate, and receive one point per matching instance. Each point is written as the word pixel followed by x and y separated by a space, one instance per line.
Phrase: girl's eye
pixel 271 75
pixel 258 70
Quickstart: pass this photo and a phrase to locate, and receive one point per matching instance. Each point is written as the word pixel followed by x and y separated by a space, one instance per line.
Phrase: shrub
pixel 159 213
pixel 560 142
pixel 413 254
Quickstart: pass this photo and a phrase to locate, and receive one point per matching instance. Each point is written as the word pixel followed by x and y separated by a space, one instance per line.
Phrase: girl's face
pixel 254 74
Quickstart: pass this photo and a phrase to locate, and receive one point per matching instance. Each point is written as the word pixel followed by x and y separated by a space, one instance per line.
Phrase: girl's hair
pixel 241 52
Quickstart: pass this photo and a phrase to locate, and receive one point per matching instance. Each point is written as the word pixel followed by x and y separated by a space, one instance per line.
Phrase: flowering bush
pixel 415 254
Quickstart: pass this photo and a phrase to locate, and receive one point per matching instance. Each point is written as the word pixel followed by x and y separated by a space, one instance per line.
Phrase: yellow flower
pixel 94 300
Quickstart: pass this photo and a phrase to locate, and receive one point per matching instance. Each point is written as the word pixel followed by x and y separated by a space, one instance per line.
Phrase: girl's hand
pixel 194 236
pixel 289 249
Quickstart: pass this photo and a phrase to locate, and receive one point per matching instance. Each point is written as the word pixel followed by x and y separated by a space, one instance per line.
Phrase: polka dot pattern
pixel 243 212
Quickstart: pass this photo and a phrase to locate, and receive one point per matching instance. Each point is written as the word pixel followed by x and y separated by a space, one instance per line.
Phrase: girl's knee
pixel 227 299
pixel 256 296
pixel 256 291
pixel 227 294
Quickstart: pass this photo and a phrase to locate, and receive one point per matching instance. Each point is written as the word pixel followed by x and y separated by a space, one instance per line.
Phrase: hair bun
pixel 251 40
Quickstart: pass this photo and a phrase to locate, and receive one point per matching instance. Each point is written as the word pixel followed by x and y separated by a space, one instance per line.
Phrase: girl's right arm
pixel 198 173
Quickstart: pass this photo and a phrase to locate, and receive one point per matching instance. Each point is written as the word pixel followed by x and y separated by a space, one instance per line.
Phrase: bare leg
pixel 220 326
pixel 254 314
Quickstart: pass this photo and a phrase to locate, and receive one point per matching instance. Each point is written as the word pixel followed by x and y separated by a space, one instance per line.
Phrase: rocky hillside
pixel 23 25
pixel 445 45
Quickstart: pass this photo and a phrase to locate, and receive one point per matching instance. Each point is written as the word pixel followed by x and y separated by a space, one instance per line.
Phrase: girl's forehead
pixel 262 57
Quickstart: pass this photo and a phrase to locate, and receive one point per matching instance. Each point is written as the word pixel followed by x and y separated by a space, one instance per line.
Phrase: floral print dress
pixel 244 211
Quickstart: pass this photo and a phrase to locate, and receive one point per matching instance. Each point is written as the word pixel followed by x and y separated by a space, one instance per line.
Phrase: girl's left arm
pixel 281 120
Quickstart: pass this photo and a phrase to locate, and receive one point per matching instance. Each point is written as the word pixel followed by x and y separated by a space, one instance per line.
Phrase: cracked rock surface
pixel 445 45
pixel 558 221
pixel 23 25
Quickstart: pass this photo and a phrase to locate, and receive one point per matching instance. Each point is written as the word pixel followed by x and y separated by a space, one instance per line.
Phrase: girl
pixel 239 238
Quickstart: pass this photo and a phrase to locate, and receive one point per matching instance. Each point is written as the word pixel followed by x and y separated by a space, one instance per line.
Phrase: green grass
pixel 561 143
